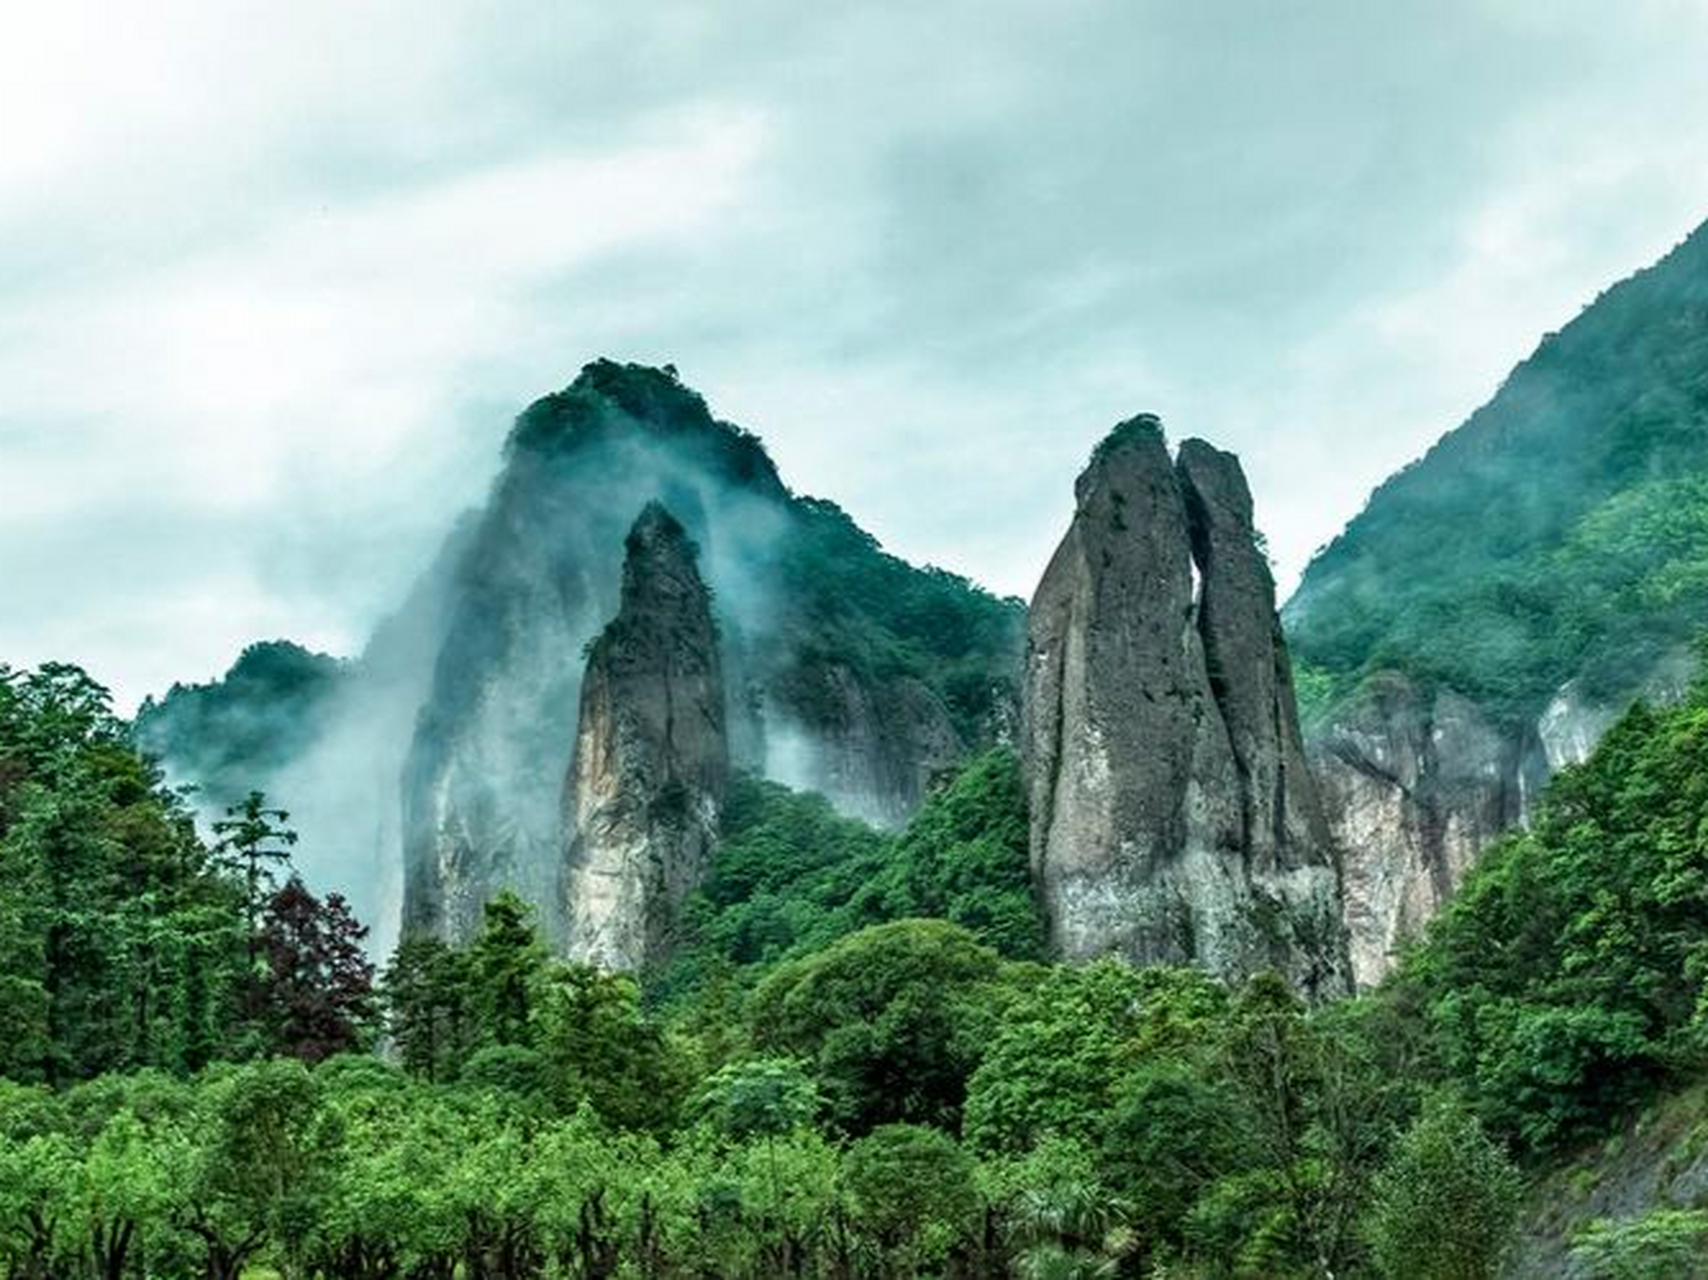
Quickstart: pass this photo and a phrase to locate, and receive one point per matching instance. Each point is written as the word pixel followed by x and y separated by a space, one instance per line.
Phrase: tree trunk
pixel 111 1246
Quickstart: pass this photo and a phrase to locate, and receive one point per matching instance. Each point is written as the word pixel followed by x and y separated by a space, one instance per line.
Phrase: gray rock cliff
pixel 1173 820
pixel 1415 784
pixel 651 765
pixel 836 659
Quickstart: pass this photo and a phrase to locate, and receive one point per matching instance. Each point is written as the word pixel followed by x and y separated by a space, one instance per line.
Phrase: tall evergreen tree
pixel 253 839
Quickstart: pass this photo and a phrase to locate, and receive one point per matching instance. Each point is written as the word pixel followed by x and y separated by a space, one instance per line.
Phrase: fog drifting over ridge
pixel 274 283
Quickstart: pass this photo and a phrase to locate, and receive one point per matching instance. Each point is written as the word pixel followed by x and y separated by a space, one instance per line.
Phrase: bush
pixel 1445 1205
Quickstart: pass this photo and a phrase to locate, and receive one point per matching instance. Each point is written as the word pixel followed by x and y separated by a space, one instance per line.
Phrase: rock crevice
pixel 1173 817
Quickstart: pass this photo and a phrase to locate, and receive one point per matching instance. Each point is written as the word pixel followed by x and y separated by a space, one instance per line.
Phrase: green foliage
pixel 264 1163
pixel 964 858
pixel 1663 1244
pixel 790 876
pixel 1561 530
pixel 503 1015
pixel 762 1097
pixel 599 1046
pixel 862 609
pixel 1058 1060
pixel 120 945
pixel 251 840
pixel 892 1018
pixel 276 699
pixel 1175 1131
pixel 428 996
pixel 506 966
pixel 1057 1213
pixel 1562 984
pixel 911 1189
pixel 1444 1205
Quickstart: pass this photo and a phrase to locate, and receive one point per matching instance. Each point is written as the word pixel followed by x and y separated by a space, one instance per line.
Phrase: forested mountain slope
pixel 1496 603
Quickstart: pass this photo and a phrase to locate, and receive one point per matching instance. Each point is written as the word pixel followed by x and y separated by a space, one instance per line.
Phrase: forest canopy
pixel 860 1062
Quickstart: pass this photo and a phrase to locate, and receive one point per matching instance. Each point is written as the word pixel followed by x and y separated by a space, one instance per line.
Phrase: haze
pixel 273 280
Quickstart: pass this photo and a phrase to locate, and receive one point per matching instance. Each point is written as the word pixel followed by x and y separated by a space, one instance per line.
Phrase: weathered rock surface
pixel 1250 675
pixel 1172 817
pixel 874 750
pixel 536 576
pixel 1415 785
pixel 651 760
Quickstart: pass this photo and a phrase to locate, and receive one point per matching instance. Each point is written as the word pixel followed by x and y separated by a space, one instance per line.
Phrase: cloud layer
pixel 273 279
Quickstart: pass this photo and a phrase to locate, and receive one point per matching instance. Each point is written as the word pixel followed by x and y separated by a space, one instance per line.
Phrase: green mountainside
pixel 1561 532
pixel 239 731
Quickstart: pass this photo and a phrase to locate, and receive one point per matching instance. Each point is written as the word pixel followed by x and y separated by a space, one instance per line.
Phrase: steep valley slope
pixel 1500 601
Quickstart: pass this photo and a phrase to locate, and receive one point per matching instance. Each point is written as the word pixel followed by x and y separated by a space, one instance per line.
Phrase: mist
pixel 433 771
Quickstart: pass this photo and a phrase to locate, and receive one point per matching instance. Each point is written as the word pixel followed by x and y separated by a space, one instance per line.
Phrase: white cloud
pixel 273 279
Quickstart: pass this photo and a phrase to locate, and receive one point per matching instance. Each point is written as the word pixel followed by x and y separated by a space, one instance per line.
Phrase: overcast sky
pixel 275 277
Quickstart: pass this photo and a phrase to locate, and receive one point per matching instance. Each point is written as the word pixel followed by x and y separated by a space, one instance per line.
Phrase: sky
pixel 275 278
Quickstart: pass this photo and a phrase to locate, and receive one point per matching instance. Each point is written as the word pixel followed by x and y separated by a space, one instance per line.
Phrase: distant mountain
pixel 227 734
pixel 448 748
pixel 1497 602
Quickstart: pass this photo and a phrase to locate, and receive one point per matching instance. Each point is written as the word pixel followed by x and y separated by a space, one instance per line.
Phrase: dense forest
pixel 858 1064
pixel 1575 501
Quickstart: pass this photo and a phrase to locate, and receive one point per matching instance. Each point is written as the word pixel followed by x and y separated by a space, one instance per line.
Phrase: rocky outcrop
pixel 827 684
pixel 1416 784
pixel 873 749
pixel 1173 820
pixel 1245 657
pixel 651 756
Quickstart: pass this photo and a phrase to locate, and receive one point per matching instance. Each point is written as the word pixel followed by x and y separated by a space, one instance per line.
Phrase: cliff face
pixel 829 681
pixel 1172 817
pixel 1415 785
pixel 873 748
pixel 651 756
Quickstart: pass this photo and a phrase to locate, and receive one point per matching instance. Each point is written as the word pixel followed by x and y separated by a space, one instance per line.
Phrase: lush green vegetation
pixel 1565 982
pixel 1561 531
pixel 1664 1244
pixel 124 942
pixel 858 1065
pixel 247 725
pixel 850 603
pixel 791 876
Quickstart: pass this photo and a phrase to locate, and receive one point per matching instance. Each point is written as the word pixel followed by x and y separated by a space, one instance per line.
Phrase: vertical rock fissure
pixel 1172 820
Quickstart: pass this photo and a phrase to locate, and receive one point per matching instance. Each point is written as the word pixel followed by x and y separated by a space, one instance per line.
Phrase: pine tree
pixel 252 839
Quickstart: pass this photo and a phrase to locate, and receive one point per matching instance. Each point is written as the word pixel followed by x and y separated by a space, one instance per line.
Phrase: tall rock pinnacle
pixel 1246 661
pixel 651 762
pixel 1173 818
pixel 497 635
